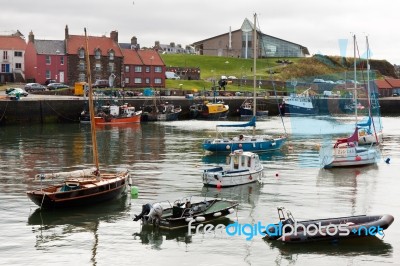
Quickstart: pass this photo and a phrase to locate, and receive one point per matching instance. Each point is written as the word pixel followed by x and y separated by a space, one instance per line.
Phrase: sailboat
pixel 81 187
pixel 367 133
pixel 250 143
pixel 345 151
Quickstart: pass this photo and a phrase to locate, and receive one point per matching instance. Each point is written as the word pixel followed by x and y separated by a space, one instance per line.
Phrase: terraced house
pixel 12 50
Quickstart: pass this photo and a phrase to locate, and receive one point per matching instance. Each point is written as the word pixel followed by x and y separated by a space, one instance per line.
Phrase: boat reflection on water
pixel 247 193
pixel 155 236
pixel 368 246
pixel 52 226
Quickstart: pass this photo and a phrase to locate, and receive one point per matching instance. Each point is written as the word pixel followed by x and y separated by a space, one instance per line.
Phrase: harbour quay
pixel 67 109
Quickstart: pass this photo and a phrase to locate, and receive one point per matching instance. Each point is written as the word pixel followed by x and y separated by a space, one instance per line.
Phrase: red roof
pixel 382 84
pixel 150 57
pixel 395 83
pixel 105 44
pixel 131 57
pixel 12 43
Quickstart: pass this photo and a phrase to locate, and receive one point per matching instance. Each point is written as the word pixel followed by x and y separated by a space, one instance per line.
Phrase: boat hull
pixel 245 112
pixel 53 198
pixel 357 226
pixel 367 139
pixel 258 145
pixel 365 157
pixel 231 178
pixel 116 120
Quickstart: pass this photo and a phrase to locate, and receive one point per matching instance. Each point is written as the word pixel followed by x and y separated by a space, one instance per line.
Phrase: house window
pixel 18 65
pixel 147 81
pixel 48 60
pixel 127 69
pixel 147 69
pixel 97 67
pixel 97 54
pixel 62 60
pixel 81 53
pixel 157 81
pixel 111 67
pixel 82 77
pixel 158 69
pixel 127 81
pixel 5 55
pixel 48 74
pixel 138 69
pixel 17 54
pixel 81 66
pixel 138 80
pixel 111 55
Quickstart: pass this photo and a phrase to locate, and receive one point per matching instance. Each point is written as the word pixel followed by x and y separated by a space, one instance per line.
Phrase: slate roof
pixel 50 47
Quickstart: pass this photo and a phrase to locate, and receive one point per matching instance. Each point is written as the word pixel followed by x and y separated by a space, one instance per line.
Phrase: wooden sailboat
pixel 253 143
pixel 346 151
pixel 82 187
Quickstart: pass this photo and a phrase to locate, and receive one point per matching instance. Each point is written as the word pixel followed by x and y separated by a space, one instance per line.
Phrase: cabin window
pixel 235 162
pixel 248 162
pixel 243 161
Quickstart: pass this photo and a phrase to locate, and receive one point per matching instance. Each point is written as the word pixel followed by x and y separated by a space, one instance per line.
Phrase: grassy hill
pixel 302 69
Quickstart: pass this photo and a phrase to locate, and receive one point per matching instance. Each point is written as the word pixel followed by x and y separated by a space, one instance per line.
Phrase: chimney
pixel 157 44
pixel 172 44
pixel 114 36
pixel 31 37
pixel 66 32
pixel 134 40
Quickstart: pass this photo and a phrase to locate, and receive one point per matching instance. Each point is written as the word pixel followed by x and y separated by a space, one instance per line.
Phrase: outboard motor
pixel 155 212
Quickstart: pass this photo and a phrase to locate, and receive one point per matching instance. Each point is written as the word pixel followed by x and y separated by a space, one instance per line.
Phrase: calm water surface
pixel 166 162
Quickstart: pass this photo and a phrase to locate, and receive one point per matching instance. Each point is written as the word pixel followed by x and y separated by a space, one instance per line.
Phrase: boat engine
pixel 155 213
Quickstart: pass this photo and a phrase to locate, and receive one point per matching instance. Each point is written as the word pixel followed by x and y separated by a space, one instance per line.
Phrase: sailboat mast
pixel 91 107
pixel 254 69
pixel 254 64
pixel 355 78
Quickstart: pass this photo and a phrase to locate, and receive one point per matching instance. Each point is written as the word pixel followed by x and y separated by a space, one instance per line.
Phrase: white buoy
pixel 188 219
pixel 231 210
pixel 217 214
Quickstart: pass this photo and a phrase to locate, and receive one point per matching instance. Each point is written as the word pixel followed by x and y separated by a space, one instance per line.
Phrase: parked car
pixel 318 81
pixel 48 81
pixel 395 94
pixel 16 91
pixel 29 87
pixel 101 83
pixel 171 75
pixel 55 86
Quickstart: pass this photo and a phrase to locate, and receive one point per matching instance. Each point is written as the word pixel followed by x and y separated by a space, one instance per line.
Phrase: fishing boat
pixel 209 110
pixel 241 168
pixel 346 151
pixel 247 107
pixel 160 111
pixel 253 143
pixel 114 114
pixel 81 187
pixel 298 104
pixel 289 230
pixel 184 212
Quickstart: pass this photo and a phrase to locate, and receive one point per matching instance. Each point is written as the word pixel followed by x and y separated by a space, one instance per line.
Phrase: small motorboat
pixel 241 168
pixel 184 212
pixel 289 230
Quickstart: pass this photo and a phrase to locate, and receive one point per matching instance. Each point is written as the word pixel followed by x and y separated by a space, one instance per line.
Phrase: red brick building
pixel 143 68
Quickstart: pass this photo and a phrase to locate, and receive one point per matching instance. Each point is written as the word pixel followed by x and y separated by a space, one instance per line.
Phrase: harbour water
pixel 166 160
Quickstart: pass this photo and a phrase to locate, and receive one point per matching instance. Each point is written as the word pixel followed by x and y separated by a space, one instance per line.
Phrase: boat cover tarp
pixel 251 123
pixel 351 139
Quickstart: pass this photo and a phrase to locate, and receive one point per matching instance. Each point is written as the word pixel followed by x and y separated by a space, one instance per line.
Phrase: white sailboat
pixel 346 151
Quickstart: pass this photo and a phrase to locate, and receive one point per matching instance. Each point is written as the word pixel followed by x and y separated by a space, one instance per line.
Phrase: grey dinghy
pixel 182 212
pixel 290 231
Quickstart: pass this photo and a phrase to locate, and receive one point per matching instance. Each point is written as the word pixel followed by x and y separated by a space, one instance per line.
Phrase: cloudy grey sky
pixel 316 24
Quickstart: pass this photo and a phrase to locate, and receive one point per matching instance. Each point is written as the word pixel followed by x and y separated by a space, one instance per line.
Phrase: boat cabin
pixel 240 160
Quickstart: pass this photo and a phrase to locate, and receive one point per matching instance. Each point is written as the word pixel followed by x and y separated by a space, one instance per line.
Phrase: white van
pixel 171 75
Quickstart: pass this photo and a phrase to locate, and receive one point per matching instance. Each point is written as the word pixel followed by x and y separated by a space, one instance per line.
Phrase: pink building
pixel 45 60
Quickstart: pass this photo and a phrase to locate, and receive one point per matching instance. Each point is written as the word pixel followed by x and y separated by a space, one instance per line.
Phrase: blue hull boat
pixel 247 143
